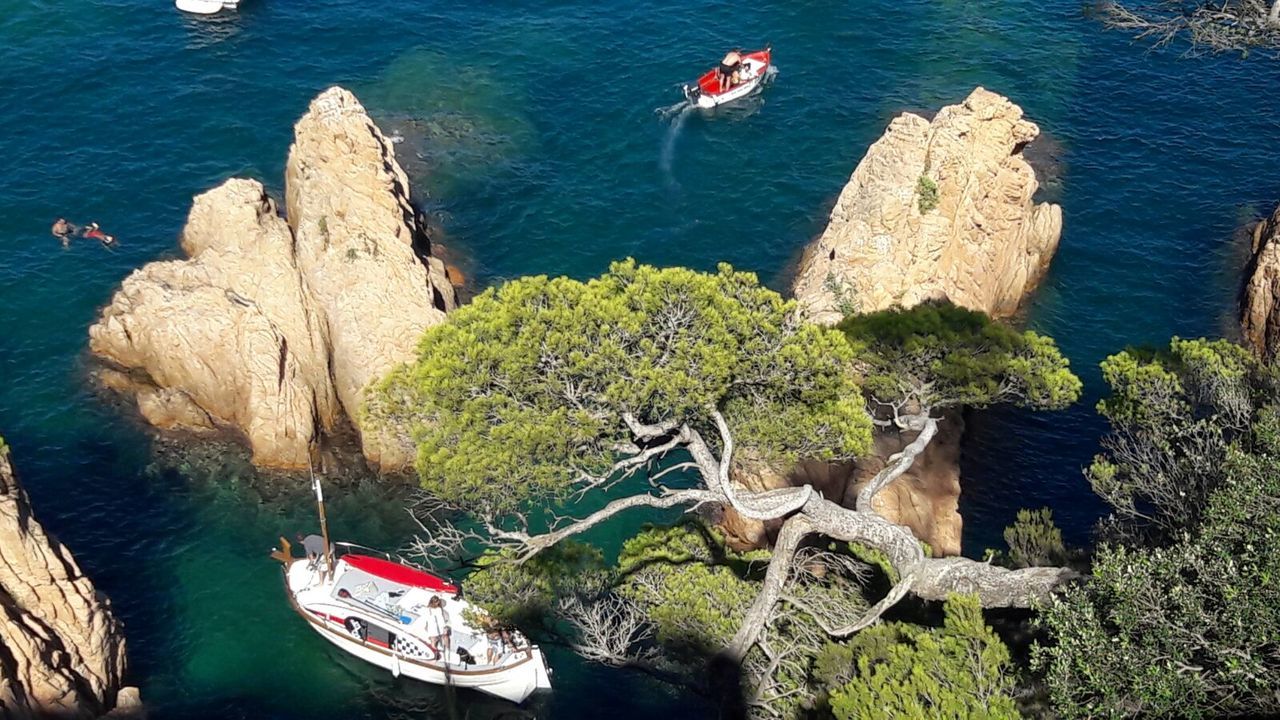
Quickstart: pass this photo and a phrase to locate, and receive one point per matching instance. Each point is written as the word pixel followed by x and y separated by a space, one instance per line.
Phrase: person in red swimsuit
pixel 95 232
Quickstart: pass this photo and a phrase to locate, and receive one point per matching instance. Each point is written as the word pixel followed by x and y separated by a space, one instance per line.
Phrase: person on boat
pixel 730 67
pixel 438 627
pixel 492 647
pixel 313 545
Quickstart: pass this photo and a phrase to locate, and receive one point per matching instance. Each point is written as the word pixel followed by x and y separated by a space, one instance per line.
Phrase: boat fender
pixel 356 627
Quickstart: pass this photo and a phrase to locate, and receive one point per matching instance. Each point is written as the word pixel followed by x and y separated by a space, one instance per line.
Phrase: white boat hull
pixel 205 7
pixel 513 686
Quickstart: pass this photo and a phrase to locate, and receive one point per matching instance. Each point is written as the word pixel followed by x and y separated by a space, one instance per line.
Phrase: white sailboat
pixel 392 613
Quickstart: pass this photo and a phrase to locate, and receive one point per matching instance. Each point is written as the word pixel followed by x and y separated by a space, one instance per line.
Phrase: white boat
pixel 206 7
pixel 708 91
pixel 376 606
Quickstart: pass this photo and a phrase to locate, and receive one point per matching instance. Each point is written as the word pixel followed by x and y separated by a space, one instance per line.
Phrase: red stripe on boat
pixel 397 573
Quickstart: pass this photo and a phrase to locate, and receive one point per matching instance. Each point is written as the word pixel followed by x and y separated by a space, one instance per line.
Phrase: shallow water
pixel 534 129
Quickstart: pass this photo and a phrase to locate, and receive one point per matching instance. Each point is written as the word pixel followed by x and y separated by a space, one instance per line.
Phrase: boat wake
pixel 675 115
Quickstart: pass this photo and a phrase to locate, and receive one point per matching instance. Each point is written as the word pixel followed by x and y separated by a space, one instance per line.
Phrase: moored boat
pixel 403 618
pixel 708 91
pixel 206 7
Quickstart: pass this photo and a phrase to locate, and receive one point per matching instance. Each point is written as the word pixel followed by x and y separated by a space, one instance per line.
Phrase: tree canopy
pixel 527 393
pixel 940 355
pixel 1178 619
pixel 1173 415
pixel 960 671
pixel 635 390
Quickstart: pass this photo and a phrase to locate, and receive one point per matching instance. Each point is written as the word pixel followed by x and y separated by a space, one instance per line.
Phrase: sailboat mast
pixel 324 525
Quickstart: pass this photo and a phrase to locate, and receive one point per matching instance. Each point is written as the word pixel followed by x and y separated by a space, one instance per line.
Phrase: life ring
pixel 358 628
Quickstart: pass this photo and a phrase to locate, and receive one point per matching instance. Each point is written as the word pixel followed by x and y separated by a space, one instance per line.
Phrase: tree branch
pixel 793 531
pixel 898 464
pixel 535 544
pixel 649 432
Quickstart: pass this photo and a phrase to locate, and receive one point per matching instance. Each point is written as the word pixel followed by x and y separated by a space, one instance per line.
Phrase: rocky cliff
pixel 939 208
pixel 1260 297
pixel 274 328
pixel 61 649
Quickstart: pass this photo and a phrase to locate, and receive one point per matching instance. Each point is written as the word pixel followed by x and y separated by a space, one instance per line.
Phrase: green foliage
pixel 695 605
pixel 691 541
pixel 525 387
pixel 875 558
pixel 1185 631
pixel 695 608
pixel 1174 414
pixel 926 194
pixel 949 356
pixel 526 593
pixel 905 671
pixel 846 302
pixel 1034 540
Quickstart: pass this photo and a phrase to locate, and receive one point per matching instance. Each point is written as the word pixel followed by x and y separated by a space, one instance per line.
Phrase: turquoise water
pixel 534 128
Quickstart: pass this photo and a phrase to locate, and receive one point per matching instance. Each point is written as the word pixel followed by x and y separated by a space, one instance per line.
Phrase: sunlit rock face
pixel 63 649
pixel 1260 298
pixel 936 209
pixel 275 327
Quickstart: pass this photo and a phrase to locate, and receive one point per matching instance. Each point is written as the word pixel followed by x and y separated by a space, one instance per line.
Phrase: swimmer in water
pixel 95 232
pixel 63 230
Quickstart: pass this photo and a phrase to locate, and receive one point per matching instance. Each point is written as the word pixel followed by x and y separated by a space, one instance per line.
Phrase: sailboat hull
pixel 402 649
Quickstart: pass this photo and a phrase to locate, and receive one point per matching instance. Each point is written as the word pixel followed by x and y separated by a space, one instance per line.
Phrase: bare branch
pixel 649 432
pixel 607 630
pixel 898 464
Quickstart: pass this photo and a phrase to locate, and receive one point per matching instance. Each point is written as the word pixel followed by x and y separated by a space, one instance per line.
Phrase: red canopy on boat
pixel 397 573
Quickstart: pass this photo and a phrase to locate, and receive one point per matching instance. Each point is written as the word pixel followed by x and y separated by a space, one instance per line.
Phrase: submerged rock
pixel 276 328
pixel 939 209
pixel 1260 297
pixel 64 651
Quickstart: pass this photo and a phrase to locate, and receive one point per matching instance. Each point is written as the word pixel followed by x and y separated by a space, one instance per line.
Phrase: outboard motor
pixel 692 93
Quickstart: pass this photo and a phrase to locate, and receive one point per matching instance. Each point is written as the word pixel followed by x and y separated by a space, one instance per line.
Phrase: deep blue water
pixel 534 129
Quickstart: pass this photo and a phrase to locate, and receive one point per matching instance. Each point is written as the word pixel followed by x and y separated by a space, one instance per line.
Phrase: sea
pixel 542 137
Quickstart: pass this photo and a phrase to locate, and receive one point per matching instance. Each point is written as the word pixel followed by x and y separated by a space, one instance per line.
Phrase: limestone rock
pixel 1260 298
pixel 348 204
pixel 276 328
pixel 982 243
pixel 64 653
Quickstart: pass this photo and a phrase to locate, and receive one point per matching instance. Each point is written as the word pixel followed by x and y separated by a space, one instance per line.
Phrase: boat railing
pixel 344 548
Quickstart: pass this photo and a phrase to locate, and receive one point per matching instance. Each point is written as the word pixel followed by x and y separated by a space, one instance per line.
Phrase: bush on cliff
pixel 1178 619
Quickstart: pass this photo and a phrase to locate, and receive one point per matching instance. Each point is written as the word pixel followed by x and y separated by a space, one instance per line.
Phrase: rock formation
pixel 61 649
pixel 935 209
pixel 275 328
pixel 1260 298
